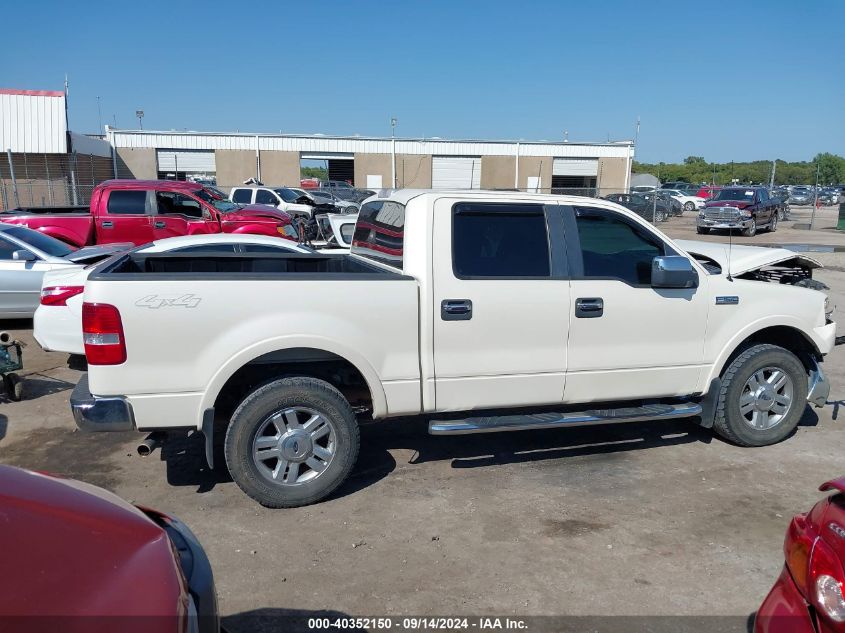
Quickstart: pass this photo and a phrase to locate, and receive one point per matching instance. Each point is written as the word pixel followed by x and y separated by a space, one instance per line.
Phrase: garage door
pixel 575 167
pixel 456 172
pixel 190 161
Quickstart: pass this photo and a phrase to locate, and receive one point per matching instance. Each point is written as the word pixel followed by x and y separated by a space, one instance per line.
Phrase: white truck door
pixel 502 305
pixel 627 339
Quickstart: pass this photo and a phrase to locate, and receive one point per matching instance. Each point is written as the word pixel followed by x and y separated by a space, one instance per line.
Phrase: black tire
pixel 773 223
pixel 14 387
pixel 267 403
pixel 731 424
pixel 702 230
pixel 751 231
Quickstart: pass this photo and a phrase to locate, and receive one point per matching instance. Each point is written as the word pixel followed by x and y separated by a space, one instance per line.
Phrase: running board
pixel 493 424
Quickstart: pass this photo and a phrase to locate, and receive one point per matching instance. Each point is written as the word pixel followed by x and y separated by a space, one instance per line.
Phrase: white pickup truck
pixel 485 311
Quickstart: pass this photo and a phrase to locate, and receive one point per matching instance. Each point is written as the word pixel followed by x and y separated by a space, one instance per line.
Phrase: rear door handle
pixel 107 224
pixel 456 309
pixel 160 224
pixel 589 307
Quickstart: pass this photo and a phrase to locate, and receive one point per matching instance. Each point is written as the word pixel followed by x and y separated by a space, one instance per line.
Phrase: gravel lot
pixel 639 519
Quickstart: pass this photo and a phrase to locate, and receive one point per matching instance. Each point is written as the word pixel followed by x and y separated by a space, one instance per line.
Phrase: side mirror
pixel 24 255
pixel 673 271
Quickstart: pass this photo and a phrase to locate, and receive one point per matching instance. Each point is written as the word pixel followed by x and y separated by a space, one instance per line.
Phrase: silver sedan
pixel 25 255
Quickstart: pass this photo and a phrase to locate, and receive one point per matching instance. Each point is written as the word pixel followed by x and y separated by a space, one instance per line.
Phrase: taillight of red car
pixel 58 295
pixel 815 568
pixel 102 333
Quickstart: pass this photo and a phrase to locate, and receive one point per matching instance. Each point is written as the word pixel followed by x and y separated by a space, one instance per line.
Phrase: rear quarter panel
pixel 178 357
pixel 75 229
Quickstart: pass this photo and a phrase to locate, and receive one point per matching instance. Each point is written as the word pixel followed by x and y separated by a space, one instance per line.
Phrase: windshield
pixel 288 195
pixel 39 241
pixel 224 205
pixel 735 194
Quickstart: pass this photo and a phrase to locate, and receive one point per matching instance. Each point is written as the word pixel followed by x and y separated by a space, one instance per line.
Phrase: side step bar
pixel 493 424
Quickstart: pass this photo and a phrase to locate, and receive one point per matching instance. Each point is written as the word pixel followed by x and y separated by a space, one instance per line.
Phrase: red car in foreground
pixel 808 595
pixel 78 558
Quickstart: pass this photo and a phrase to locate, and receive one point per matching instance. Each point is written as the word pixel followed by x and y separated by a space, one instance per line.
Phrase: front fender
pixel 249 354
pixel 816 336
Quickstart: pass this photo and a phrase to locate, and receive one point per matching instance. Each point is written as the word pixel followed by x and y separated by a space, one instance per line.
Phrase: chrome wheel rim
pixel 294 446
pixel 752 230
pixel 688 206
pixel 775 222
pixel 766 398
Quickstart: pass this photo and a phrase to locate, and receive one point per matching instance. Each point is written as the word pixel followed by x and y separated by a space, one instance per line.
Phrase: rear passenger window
pixel 380 232
pixel 208 248
pixel 499 240
pixel 616 248
pixel 127 202
pixel 243 196
pixel 263 196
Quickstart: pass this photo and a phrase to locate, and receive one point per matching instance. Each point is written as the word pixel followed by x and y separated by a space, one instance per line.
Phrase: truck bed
pixel 239 266
pixel 71 210
pixel 191 320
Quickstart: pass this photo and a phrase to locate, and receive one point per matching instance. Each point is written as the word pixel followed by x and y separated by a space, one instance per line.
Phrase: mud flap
pixel 208 432
pixel 709 402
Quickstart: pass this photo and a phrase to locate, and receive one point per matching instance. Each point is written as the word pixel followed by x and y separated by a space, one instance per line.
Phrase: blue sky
pixel 723 80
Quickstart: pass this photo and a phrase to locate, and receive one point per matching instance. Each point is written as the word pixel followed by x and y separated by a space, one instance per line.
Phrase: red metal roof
pixel 32 93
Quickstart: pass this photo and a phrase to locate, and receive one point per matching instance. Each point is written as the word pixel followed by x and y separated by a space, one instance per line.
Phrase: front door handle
pixel 159 224
pixel 589 307
pixel 456 309
pixel 107 224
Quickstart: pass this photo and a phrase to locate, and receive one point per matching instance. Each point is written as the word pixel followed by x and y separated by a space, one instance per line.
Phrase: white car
pixel 26 255
pixel 57 324
pixel 689 203
pixel 283 198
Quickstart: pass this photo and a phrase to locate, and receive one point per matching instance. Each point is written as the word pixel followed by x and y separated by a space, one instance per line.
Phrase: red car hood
pixel 739 204
pixel 256 212
pixel 73 549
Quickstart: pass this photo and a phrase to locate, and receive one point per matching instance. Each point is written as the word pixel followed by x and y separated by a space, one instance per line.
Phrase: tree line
pixel 695 169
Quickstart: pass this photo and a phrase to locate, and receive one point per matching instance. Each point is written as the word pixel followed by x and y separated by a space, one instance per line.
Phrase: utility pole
pixel 393 122
pixel 815 198
pixel 772 180
pixel 99 117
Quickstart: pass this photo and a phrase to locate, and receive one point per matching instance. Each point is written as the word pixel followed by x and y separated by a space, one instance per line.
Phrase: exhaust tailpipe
pixel 150 443
pixel 5 338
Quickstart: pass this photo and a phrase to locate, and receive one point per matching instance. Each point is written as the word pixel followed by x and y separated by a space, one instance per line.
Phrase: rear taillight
pixel 58 295
pixel 102 333
pixel 817 571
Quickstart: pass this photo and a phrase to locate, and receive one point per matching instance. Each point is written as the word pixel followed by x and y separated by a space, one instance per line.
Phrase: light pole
pixel 99 117
pixel 393 122
pixel 140 115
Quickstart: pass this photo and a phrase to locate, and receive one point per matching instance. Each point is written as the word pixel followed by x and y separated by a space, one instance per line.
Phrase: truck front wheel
pixel 762 397
pixel 292 442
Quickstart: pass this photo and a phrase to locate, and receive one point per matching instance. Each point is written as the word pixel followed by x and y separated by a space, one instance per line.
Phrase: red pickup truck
pixel 141 211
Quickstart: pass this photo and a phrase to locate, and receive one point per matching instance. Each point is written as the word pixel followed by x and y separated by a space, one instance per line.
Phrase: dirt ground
pixel 639 519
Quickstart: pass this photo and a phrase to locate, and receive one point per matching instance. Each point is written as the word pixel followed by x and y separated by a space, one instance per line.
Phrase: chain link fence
pixel 50 180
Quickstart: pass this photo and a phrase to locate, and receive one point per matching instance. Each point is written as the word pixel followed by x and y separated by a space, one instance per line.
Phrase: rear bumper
pixel 784 610
pixel 93 413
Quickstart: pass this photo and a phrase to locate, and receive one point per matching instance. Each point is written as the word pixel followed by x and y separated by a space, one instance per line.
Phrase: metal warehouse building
pixel 374 163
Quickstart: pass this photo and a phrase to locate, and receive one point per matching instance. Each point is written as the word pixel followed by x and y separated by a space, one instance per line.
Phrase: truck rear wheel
pixel 292 442
pixel 762 397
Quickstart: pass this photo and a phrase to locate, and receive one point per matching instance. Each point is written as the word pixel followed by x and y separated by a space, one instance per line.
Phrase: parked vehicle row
pixel 140 211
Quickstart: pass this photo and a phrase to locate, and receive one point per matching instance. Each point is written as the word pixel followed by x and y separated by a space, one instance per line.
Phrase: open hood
pixel 743 258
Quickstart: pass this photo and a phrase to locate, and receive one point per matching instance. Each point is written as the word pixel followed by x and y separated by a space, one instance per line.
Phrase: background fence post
pixel 73 185
pixel 12 174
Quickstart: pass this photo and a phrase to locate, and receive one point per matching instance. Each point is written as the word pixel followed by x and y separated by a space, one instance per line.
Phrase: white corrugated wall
pixel 575 167
pixel 33 121
pixel 186 160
